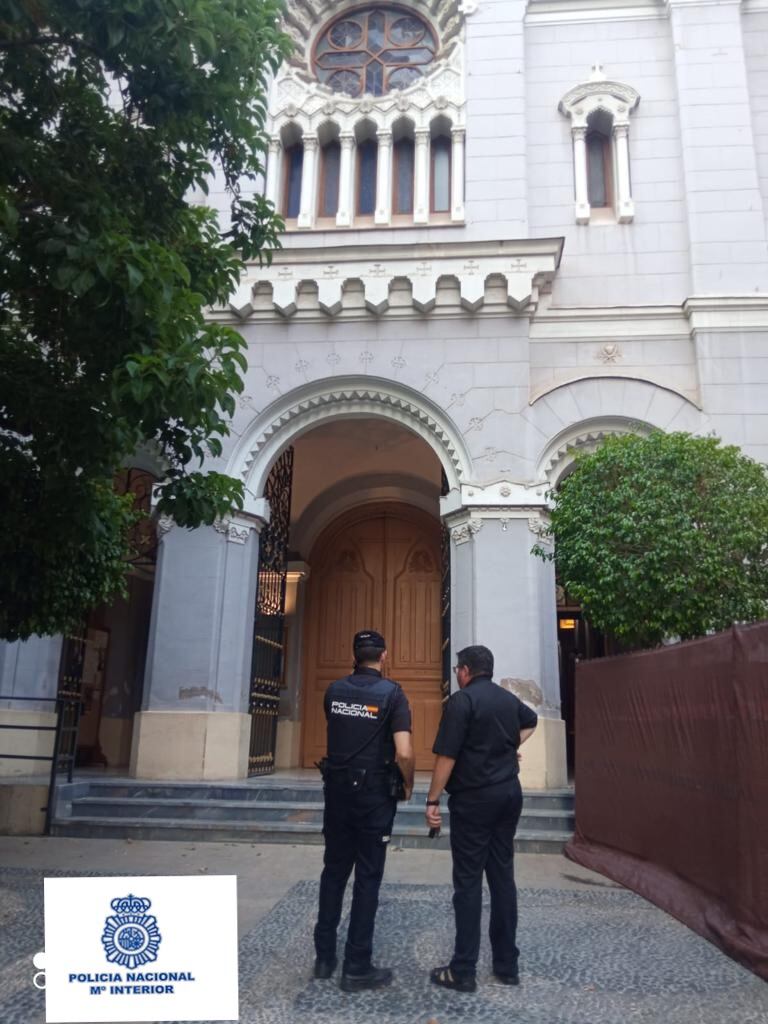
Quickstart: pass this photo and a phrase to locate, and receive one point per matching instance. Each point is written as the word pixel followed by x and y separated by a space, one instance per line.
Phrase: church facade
pixel 513 227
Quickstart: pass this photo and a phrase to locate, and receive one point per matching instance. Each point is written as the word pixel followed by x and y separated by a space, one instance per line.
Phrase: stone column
pixel 722 176
pixel 421 177
pixel 28 668
pixel 288 743
pixel 346 199
pixel 383 213
pixel 273 171
pixel 580 175
pixel 625 208
pixel 308 202
pixel 457 174
pixel 194 723
pixel 503 597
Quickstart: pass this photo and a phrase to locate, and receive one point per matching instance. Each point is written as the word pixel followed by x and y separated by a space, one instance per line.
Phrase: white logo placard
pixel 141 949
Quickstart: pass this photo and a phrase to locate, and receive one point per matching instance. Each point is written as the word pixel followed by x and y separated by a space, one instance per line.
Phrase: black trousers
pixel 483 824
pixel 357 825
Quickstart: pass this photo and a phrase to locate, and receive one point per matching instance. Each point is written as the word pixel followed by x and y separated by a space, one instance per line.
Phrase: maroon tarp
pixel 672 783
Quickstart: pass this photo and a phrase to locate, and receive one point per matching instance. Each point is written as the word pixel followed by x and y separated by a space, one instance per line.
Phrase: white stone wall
pixel 755 29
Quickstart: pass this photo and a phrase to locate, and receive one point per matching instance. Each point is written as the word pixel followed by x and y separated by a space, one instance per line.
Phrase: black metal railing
pixel 62 757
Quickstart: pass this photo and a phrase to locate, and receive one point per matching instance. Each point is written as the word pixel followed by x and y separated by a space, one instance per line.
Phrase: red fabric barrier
pixel 672 783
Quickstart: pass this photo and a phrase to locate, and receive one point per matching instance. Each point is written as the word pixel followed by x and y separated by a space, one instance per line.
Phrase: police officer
pixel 477 762
pixel 369 737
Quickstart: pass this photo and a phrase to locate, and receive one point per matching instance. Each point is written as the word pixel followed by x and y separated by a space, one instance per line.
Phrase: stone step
pixel 257 811
pixel 193 830
pixel 266 791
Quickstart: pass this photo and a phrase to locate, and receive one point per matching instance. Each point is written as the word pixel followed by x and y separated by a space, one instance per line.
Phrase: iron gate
pixel 268 661
pixel 445 600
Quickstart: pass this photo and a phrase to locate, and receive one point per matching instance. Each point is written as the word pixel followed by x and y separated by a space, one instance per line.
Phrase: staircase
pixel 267 810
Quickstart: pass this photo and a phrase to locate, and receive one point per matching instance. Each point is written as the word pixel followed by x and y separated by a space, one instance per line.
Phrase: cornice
pixel 553 12
pixel 336 274
pixel 726 314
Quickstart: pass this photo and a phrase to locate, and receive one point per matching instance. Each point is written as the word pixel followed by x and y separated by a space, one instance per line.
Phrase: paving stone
pixel 602 957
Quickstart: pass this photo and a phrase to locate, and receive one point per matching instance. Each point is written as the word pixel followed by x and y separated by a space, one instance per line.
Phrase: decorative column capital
pixel 421 135
pixel 346 140
pixel 310 143
pixel 274 144
pixel 458 134
pixel 621 131
pixel 384 137
pixel 579 133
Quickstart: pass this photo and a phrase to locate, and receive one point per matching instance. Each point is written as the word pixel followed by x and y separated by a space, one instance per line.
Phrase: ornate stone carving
pixel 539 528
pixel 164 525
pixel 425 267
pixel 319 401
pixel 609 353
pixel 461 534
pixel 421 561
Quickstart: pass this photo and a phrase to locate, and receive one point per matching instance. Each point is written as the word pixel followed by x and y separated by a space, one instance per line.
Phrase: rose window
pixel 374 50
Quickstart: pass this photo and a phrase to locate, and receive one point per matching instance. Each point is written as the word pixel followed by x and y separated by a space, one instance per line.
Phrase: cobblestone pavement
pixel 589 956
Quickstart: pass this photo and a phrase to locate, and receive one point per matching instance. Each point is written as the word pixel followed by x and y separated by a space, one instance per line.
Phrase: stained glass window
pixel 374 50
pixel 294 162
pixel 329 193
pixel 402 200
pixel 367 156
pixel 441 174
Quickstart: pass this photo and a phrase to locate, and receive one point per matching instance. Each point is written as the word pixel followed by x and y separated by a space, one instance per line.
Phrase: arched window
pixel 440 174
pixel 294 164
pixel 599 160
pixel 402 180
pixel 374 50
pixel 367 159
pixel 330 166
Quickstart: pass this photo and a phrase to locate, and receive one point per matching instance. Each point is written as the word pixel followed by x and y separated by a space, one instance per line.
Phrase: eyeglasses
pixel 456 669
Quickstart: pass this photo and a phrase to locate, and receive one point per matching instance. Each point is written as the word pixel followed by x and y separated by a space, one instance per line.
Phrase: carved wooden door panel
pixel 379 572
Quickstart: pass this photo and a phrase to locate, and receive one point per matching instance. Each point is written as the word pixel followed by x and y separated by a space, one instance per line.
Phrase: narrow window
pixel 598 169
pixel 294 162
pixel 367 156
pixel 441 174
pixel 402 199
pixel 329 180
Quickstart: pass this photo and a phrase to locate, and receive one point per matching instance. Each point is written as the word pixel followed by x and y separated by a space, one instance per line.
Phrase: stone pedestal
pixel 502 596
pixel 194 723
pixel 28 668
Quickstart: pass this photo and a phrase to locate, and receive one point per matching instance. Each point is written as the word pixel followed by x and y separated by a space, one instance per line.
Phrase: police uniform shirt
pixel 364 678
pixel 480 729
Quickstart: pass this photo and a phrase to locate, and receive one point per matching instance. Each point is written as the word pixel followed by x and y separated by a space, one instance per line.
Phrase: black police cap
pixel 369 638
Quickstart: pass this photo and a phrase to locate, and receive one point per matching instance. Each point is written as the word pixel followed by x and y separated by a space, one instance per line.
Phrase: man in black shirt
pixel 369 735
pixel 477 763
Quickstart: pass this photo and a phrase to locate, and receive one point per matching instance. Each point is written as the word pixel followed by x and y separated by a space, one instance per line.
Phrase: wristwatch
pixel 433 803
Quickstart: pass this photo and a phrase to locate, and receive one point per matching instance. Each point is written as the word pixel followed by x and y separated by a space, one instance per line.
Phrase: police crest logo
pixel 131 937
pixel 134 949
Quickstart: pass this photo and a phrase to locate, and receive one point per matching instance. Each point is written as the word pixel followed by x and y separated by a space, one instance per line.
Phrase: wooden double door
pixel 376 568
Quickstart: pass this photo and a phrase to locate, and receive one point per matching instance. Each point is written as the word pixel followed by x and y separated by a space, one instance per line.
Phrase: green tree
pixel 663 536
pixel 111 113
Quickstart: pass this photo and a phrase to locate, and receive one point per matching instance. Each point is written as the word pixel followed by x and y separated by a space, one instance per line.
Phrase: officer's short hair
pixel 368 645
pixel 478 659
pixel 365 654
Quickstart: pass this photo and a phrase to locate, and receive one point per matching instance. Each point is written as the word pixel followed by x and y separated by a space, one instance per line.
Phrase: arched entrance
pixel 378 567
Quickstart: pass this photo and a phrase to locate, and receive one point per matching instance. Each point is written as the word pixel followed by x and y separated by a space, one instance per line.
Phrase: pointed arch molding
pixel 578 416
pixel 304 18
pixel 346 398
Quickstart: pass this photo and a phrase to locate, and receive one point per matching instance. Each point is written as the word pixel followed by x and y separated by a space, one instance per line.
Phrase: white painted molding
pixel 618 101
pixel 525 265
pixel 345 398
pixel 612 373
pixel 563 12
pixel 495 499
pixel 583 436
